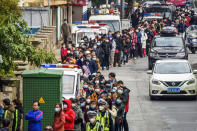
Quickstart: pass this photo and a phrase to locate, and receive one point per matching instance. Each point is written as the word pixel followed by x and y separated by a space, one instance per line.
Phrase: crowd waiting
pixel 102 103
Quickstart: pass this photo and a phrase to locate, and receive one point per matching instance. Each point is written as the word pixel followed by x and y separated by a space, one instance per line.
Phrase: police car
pixel 90 29
pixel 70 79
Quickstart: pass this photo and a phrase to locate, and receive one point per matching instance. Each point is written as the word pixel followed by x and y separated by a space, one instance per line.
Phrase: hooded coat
pixel 69 116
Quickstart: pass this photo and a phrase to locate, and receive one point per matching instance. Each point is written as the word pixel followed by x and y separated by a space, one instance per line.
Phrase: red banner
pixel 79 2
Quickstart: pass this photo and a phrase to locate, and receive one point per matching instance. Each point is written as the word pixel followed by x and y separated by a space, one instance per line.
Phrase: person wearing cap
pixel 103 116
pixel 69 115
pixel 82 103
pixel 78 114
pixel 93 125
pixel 8 112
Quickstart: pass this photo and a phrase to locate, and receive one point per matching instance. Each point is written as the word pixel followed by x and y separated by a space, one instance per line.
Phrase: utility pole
pixel 49 12
pixel 122 12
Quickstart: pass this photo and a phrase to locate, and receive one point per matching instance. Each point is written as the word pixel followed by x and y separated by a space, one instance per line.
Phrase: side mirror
pixel 194 71
pixel 149 72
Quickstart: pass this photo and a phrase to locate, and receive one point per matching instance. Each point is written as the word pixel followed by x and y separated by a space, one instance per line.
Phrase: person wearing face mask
pixel 84 87
pixel 125 100
pixel 119 120
pixel 107 46
pixel 92 93
pixel 92 67
pixel 78 114
pixel 59 118
pixel 100 52
pixel 82 104
pixel 93 125
pixel 97 61
pixel 113 49
pixel 112 79
pixel 69 115
pixel 118 51
pixel 103 116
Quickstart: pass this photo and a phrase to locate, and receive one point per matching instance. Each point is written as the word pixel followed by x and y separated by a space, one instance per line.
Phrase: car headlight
pixel 156 82
pixel 181 54
pixel 192 81
pixel 153 54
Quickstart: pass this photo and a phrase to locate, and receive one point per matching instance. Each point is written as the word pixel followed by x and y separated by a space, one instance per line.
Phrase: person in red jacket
pixel 69 115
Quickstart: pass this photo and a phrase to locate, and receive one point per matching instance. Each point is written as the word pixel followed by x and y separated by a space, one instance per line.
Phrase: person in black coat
pixel 106 45
pixel 17 115
pixel 119 48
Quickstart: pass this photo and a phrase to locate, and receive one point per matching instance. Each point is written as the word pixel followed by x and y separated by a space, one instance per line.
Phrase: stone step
pixel 18 72
pixel 19 62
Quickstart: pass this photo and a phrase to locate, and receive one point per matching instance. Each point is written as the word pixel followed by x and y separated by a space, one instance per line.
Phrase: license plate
pixel 173 90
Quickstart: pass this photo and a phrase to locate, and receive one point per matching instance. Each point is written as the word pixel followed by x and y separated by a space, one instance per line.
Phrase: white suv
pixel 172 78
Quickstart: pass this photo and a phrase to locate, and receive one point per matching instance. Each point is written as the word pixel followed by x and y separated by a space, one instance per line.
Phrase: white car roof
pixel 104 17
pixel 172 60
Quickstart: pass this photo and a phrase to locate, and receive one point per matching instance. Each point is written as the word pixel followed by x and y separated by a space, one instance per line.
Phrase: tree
pixel 14 45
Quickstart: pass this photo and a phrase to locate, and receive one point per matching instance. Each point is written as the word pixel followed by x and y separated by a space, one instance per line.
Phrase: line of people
pixel 101 105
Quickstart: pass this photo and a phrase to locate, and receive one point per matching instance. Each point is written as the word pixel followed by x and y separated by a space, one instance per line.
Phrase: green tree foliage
pixel 14 45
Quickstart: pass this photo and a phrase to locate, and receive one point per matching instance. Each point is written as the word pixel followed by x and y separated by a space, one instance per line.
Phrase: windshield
pixel 103 31
pixel 168 42
pixel 192 28
pixel 156 10
pixel 81 35
pixel 114 25
pixel 68 82
pixel 172 68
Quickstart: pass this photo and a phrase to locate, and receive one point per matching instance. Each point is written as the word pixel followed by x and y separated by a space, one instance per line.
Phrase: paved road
pixel 161 115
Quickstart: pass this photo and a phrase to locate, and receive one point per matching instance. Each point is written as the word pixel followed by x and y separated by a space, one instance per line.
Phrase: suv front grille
pixel 167 55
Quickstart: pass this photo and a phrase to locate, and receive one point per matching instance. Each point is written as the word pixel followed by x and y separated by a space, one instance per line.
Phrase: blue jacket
pixel 34 118
pixel 92 66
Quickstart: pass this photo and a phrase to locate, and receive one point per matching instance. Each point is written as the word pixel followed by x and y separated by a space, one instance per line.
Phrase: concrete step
pixel 21 62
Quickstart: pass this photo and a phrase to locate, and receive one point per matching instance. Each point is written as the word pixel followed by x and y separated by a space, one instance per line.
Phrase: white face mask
pixel 101 108
pixel 73 105
pixel 57 109
pixel 65 106
pixel 92 120
pixel 88 101
pixel 97 90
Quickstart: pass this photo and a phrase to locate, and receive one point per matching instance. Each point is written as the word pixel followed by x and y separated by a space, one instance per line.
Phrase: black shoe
pixel 119 65
pixel 108 68
pixel 102 68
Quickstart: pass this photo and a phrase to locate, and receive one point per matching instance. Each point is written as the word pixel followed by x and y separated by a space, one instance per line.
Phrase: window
pixel 68 82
